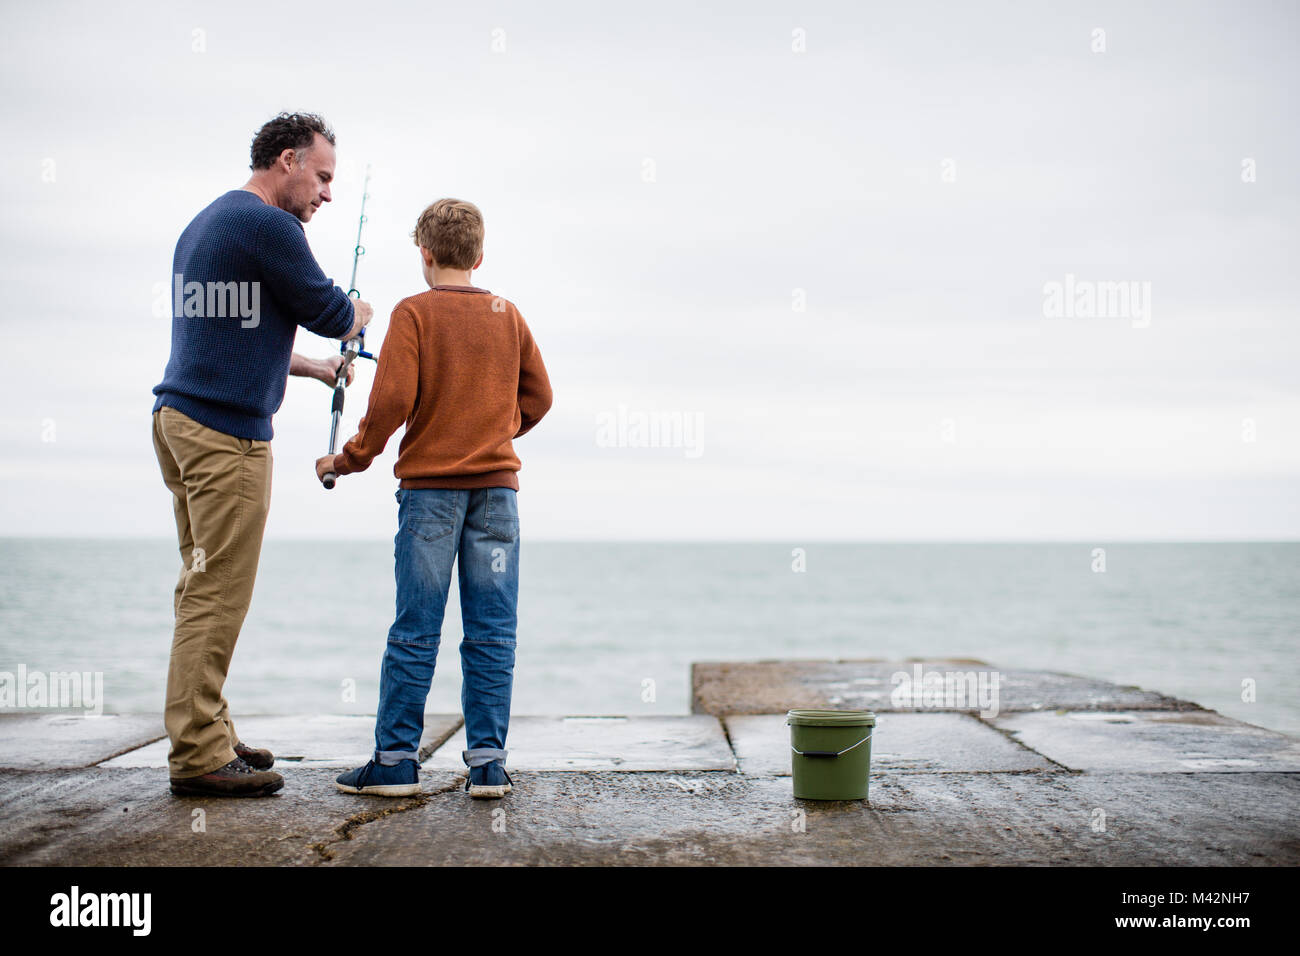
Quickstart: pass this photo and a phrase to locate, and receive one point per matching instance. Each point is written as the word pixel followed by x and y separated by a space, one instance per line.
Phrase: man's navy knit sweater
pixel 229 363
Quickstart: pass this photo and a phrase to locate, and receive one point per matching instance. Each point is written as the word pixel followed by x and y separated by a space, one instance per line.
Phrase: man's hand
pixel 362 313
pixel 323 370
pixel 324 465
pixel 329 372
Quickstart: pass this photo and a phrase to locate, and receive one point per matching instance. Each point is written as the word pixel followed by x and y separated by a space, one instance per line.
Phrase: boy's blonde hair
pixel 452 229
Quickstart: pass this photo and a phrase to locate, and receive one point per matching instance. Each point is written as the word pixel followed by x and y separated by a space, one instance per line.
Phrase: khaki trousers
pixel 221 493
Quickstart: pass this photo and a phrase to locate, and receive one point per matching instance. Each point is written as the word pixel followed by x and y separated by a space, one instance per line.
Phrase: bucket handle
pixel 829 753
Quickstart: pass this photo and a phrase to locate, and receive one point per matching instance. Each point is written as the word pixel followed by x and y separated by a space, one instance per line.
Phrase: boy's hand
pixel 324 465
pixel 362 313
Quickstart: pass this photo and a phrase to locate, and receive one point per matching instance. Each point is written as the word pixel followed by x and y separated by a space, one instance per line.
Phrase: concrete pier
pixel 1068 771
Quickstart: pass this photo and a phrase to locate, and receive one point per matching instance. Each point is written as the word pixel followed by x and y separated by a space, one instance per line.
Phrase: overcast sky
pixel 819 234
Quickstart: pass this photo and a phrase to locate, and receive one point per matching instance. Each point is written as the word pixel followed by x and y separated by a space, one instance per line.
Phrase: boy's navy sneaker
pixel 490 781
pixel 379 780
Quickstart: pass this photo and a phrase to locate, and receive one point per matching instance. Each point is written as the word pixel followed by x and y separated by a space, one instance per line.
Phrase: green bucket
pixel 830 753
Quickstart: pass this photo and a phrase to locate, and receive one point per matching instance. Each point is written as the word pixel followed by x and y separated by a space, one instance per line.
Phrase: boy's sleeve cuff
pixel 341 466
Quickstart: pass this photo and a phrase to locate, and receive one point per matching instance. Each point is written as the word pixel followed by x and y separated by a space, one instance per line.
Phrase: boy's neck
pixel 462 277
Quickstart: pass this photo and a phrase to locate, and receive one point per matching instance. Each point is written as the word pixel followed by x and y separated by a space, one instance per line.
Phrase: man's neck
pixel 259 186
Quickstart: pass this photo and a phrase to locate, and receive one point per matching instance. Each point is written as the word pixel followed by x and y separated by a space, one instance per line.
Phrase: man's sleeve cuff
pixel 349 314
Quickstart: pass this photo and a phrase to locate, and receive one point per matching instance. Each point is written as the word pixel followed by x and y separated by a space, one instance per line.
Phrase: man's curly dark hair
pixel 287 131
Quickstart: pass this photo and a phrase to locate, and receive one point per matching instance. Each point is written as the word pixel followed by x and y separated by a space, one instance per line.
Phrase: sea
pixel 610 628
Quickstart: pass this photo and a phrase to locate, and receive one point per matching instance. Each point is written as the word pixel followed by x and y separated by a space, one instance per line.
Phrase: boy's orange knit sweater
pixel 460 368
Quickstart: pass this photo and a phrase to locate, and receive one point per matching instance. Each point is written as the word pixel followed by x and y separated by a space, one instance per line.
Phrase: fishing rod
pixel 354 348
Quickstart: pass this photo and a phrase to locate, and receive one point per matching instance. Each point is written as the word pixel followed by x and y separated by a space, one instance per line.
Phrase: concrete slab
pixel 1154 742
pixel 605 743
pixel 127 817
pixel 50 741
pixel 771 687
pixel 900 743
pixel 97 817
pixel 318 740
pixel 918 819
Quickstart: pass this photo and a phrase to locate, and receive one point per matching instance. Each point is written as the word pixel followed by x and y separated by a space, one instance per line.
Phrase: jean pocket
pixel 429 517
pixel 501 514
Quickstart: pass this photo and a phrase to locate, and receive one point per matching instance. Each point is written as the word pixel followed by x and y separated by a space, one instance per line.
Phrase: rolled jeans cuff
pixel 391 758
pixel 477 758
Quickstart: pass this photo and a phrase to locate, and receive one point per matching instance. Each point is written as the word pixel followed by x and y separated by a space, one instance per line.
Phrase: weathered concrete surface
pixel 50 741
pixel 127 817
pixel 605 743
pixel 946 788
pixel 770 687
pixel 900 743
pixel 925 819
pixel 314 740
pixel 100 817
pixel 1154 742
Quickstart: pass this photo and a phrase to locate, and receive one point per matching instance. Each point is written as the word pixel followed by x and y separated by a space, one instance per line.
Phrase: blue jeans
pixel 478 529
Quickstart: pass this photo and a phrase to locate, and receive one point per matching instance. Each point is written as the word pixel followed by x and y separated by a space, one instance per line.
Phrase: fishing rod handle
pixel 330 477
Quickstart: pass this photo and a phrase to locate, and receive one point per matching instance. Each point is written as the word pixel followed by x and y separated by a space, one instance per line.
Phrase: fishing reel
pixel 355 348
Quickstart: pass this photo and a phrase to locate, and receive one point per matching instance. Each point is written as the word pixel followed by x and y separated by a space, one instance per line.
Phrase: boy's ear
pixel 479 263
pixel 426 255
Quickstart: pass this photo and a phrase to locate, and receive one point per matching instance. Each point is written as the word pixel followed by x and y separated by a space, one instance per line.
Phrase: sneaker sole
pixel 384 790
pixel 489 793
pixel 180 790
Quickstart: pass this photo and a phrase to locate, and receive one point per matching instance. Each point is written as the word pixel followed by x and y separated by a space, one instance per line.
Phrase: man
pixel 244 279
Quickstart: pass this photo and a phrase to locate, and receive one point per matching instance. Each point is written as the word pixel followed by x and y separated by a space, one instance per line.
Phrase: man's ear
pixel 287 157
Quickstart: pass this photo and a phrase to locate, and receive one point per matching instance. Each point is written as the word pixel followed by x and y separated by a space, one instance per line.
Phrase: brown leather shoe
pixel 257 759
pixel 235 779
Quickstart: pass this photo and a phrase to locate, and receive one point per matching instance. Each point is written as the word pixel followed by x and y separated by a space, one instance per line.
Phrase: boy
pixel 460 368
